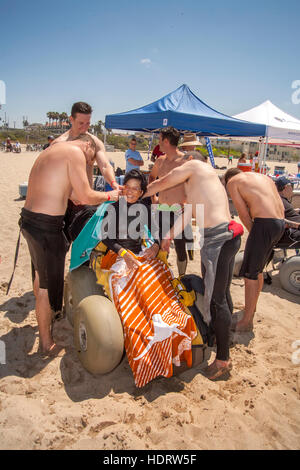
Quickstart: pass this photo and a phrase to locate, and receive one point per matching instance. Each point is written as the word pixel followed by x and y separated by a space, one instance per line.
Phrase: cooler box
pixel 279 170
pixel 23 189
pixel 119 180
pixel 245 166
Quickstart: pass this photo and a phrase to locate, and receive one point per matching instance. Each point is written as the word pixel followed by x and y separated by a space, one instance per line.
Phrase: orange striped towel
pixel 157 330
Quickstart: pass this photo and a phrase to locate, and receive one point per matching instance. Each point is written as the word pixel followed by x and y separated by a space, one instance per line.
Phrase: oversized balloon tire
pixel 98 334
pixel 238 263
pixel 289 275
pixel 80 283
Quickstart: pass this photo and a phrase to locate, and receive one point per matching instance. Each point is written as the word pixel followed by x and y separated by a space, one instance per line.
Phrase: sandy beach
pixel 57 404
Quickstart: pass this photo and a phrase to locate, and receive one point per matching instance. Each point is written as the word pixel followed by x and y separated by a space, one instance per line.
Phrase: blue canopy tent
pixel 186 112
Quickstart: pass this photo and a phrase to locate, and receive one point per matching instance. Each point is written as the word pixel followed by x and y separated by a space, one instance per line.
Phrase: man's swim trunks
pixel 262 238
pixel 48 247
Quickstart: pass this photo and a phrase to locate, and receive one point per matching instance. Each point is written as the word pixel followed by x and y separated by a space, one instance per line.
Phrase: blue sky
pixel 119 55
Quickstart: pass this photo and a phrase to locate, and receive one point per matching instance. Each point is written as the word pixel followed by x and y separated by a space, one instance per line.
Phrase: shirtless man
pixel 222 240
pixel 57 174
pixel 77 215
pixel 80 121
pixel 172 158
pixel 261 210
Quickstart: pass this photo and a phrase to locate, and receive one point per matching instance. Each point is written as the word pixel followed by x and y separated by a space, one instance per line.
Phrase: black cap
pixel 281 182
pixel 50 137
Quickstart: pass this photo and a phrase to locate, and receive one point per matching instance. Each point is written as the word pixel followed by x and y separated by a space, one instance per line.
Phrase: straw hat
pixel 189 140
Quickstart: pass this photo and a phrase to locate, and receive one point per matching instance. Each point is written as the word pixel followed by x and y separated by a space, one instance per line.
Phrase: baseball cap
pixel 281 182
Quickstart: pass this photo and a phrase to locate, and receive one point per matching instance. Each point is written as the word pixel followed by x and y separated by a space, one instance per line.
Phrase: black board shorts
pixel 263 236
pixel 47 246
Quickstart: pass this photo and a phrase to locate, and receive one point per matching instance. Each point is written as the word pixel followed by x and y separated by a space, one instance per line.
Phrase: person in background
pixel 156 153
pixel 291 215
pixel 242 159
pixel 189 143
pixel 80 119
pixel 170 201
pixel 8 145
pixel 133 158
pixel 50 139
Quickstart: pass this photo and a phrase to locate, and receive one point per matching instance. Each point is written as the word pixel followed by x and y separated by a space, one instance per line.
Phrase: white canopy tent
pixel 282 128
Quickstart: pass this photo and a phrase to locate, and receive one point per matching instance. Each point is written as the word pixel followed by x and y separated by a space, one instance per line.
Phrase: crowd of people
pixel 183 186
pixel 9 146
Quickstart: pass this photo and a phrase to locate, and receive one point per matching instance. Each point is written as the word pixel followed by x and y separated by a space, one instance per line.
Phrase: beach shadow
pixel 80 385
pixel 18 308
pixel 19 361
pixel 276 289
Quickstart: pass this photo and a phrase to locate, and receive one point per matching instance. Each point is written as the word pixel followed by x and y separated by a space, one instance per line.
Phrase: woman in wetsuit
pixel 129 221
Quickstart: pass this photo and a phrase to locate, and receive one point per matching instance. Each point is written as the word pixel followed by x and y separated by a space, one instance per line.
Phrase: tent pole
pixel 150 144
pixel 265 151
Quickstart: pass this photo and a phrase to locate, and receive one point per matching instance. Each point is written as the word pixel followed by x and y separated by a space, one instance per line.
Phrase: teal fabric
pixel 88 238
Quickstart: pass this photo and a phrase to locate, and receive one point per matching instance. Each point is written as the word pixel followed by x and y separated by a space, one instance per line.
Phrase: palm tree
pixel 63 117
pixel 49 116
pixel 57 118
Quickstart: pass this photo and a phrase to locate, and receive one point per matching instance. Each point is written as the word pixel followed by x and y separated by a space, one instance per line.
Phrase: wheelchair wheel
pixel 98 334
pixel 80 283
pixel 289 275
pixel 238 263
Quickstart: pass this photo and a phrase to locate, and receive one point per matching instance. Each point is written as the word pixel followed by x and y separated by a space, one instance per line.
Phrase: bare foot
pixel 218 369
pixel 242 327
pixel 55 350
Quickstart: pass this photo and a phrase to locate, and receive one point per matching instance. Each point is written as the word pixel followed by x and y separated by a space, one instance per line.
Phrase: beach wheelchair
pixel 286 259
pixel 98 331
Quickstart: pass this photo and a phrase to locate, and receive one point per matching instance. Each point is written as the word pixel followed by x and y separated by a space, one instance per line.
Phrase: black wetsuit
pixel 48 247
pixel 221 305
pixel 123 226
pixel 75 219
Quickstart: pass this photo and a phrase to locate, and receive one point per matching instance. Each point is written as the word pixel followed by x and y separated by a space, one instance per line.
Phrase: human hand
pixel 165 244
pixel 114 195
pixel 154 199
pixel 151 252
pixel 116 185
pixel 131 261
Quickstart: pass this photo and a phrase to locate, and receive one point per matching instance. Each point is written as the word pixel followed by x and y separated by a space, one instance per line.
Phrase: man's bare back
pixel 255 195
pixel 58 173
pixel 201 186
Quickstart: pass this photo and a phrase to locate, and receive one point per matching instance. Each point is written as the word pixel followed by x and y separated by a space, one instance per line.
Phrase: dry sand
pixel 56 404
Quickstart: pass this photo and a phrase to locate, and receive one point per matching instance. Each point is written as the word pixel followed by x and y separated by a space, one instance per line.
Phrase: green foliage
pixel 38 136
pixel 122 143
